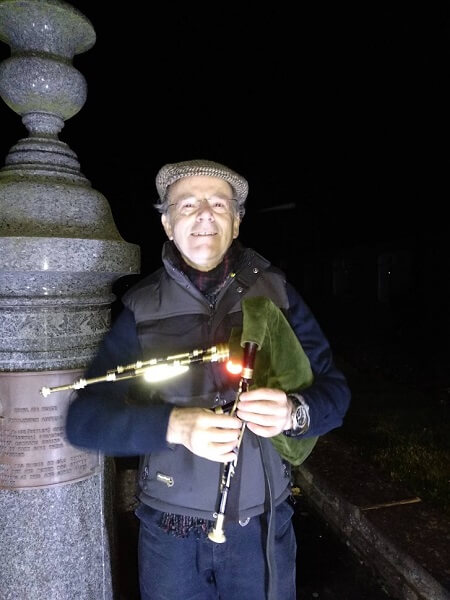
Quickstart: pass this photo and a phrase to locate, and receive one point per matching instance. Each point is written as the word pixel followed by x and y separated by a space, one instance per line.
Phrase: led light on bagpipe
pixel 234 368
pixel 157 373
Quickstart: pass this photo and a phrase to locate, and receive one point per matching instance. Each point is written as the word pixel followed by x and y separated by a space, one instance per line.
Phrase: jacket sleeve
pixel 100 416
pixel 328 397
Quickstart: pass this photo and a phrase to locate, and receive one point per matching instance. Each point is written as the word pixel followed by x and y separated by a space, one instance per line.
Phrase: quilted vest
pixel 172 316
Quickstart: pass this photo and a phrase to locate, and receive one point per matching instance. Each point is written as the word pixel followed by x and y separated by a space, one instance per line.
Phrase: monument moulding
pixel 60 253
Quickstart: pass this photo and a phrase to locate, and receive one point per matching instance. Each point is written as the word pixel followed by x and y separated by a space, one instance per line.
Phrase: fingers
pixel 204 433
pixel 263 402
pixel 215 436
pixel 214 443
pixel 261 407
pixel 220 436
pixel 259 417
pixel 211 419
pixel 208 446
pixel 262 431
pixel 219 452
pixel 270 394
pixel 266 411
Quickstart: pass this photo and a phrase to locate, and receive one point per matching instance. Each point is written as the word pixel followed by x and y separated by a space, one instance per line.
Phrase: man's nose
pixel 204 210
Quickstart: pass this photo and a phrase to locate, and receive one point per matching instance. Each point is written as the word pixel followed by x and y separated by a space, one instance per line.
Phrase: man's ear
pixel 167 226
pixel 236 223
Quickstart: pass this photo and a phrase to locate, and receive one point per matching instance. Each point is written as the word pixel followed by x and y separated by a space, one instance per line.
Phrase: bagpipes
pixel 153 370
pixel 271 357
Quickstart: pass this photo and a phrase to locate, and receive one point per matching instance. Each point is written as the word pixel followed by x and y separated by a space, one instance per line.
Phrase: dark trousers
pixel 172 568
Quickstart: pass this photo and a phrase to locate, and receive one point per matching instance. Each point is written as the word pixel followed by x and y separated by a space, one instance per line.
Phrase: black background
pixel 342 111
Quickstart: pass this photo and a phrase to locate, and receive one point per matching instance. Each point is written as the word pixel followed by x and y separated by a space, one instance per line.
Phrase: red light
pixel 234 368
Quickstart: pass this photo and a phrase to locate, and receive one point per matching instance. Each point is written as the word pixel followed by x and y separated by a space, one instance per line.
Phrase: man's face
pixel 202 220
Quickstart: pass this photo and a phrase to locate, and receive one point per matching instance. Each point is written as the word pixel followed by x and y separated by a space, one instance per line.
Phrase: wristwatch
pixel 300 416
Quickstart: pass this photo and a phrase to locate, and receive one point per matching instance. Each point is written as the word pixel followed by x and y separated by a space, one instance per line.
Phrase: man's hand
pixel 204 432
pixel 266 411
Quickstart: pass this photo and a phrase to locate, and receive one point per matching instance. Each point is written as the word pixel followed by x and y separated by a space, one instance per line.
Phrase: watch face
pixel 300 417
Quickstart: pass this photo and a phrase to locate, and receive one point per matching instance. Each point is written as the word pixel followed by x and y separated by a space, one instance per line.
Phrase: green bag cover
pixel 280 363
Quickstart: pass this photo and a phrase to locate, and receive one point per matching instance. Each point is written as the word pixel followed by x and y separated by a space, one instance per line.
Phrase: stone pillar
pixel 60 253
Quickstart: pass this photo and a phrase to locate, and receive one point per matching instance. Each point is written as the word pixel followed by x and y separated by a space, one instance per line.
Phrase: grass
pixel 404 432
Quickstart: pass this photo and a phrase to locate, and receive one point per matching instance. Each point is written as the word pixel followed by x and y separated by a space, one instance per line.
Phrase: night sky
pixel 340 111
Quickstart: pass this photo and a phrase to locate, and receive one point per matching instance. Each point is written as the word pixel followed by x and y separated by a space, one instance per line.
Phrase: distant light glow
pixel 234 368
pixel 164 371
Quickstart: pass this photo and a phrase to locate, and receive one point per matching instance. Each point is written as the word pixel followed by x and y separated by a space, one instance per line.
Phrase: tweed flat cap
pixel 170 173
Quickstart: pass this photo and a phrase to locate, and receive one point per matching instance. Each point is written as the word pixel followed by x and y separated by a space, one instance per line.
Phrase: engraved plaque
pixel 34 452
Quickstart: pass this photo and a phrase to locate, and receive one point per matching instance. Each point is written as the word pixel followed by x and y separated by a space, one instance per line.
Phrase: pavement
pixel 404 541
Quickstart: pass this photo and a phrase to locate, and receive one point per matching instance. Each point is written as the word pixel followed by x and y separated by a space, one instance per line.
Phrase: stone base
pixel 54 544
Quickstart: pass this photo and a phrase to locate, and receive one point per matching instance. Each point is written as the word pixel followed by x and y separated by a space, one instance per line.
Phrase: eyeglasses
pixel 189 206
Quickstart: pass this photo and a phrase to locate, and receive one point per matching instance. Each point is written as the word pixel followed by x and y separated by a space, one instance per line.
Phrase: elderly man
pixel 193 301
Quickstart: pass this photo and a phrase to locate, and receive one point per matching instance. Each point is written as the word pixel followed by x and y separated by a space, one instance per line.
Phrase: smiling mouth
pixel 204 234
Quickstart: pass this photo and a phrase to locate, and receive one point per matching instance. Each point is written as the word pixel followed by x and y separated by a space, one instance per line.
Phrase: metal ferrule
pixel 247 373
